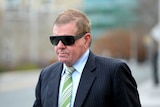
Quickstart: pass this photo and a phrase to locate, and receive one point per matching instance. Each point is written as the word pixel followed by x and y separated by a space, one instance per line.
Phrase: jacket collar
pixel 87 79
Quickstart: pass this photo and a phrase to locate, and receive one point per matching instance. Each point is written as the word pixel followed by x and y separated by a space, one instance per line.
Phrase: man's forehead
pixel 69 28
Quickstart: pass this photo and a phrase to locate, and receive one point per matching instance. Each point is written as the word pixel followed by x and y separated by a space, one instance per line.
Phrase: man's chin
pixel 63 60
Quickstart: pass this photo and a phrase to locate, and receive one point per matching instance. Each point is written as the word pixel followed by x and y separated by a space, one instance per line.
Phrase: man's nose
pixel 60 44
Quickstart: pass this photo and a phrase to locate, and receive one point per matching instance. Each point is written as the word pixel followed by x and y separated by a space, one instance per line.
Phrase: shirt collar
pixel 80 63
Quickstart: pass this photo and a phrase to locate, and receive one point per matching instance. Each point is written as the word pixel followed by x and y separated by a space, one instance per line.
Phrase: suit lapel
pixel 86 81
pixel 53 87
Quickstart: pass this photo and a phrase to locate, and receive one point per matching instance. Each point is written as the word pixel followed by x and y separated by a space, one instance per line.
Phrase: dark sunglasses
pixel 66 40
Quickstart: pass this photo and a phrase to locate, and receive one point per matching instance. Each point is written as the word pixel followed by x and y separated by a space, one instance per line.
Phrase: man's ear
pixel 87 38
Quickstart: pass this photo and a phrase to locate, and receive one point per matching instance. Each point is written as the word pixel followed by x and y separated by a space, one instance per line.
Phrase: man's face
pixel 69 54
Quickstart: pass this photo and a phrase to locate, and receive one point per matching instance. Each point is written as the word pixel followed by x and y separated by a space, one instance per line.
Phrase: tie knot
pixel 69 70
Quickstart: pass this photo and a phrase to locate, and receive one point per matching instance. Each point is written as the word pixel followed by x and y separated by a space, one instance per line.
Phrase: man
pixel 95 82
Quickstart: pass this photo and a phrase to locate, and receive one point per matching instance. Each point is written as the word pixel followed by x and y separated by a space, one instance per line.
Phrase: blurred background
pixel 125 29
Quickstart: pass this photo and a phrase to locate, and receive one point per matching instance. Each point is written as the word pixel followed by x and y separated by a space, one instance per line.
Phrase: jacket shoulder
pixel 109 60
pixel 51 68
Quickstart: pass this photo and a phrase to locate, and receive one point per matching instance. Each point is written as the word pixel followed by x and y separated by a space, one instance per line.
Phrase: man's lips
pixel 62 54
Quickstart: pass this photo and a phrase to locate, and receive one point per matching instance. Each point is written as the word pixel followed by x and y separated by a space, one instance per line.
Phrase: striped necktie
pixel 67 88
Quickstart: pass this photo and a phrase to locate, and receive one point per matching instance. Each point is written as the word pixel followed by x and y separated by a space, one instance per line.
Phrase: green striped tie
pixel 67 88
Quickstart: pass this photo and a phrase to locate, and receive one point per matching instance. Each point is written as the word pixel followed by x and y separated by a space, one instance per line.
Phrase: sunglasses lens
pixel 66 40
pixel 54 40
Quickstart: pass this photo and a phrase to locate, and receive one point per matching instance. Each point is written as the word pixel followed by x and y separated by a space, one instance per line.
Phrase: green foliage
pixel 27 66
pixel 2 68
pixel 20 67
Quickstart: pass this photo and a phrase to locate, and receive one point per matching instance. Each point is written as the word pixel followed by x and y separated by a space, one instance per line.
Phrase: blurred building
pixel 111 18
pixel 110 14
pixel 25 27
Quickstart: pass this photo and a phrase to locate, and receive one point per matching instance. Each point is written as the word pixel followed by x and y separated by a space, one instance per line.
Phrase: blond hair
pixel 73 15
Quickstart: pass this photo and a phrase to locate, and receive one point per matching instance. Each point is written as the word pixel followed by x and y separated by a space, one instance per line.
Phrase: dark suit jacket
pixel 105 82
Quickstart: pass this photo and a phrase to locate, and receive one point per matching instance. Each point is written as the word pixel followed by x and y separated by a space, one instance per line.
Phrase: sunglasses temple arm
pixel 79 36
